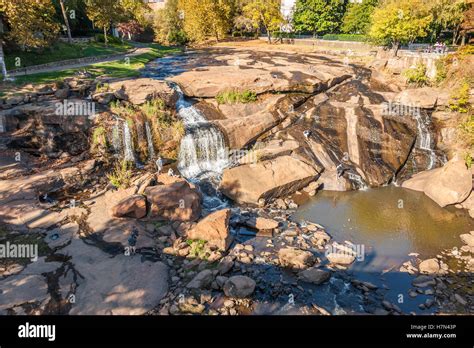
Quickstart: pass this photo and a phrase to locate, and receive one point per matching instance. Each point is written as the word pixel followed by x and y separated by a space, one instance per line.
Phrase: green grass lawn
pixel 63 51
pixel 115 69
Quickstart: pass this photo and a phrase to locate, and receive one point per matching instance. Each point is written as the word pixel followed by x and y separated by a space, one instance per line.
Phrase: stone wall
pixel 343 45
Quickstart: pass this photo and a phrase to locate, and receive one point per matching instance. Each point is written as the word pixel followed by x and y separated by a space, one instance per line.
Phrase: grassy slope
pixel 63 51
pixel 118 68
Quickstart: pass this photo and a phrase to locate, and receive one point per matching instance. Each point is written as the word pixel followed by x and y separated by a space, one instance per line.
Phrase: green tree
pixel 204 18
pixel 31 22
pixel 107 13
pixel 318 16
pixel 448 15
pixel 397 22
pixel 264 13
pixel 104 13
pixel 357 18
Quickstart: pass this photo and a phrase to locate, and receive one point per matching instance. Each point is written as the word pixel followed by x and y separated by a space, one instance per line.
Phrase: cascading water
pixel 424 138
pixel 149 140
pixel 2 124
pixel 202 155
pixel 116 140
pixel 358 181
pixel 127 141
pixel 202 150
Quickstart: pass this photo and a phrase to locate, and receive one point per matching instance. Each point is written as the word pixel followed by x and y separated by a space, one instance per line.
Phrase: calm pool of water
pixel 390 222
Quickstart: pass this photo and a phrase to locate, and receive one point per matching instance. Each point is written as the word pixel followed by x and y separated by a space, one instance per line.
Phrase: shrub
pixel 99 138
pixel 468 128
pixel 460 99
pixel 441 70
pixel 152 108
pixel 121 176
pixel 110 38
pixel 466 50
pixel 232 97
pixel 197 248
pixel 102 87
pixel 469 160
pixel 417 75
pixel 177 37
pixel 346 37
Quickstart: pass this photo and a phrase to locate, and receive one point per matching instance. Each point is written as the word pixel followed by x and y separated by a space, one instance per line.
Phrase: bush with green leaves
pixel 460 99
pixel 197 248
pixel 99 138
pixel 346 37
pixel 469 160
pixel 233 97
pixel 417 75
pixel 122 174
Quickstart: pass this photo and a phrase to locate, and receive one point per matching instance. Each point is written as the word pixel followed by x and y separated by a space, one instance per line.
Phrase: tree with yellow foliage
pixel 203 18
pixel 266 14
pixel 31 23
pixel 396 22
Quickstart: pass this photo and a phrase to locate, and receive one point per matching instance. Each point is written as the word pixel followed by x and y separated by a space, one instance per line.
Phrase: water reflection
pixel 392 220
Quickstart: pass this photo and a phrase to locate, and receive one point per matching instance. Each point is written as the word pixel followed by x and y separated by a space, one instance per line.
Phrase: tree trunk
pixel 66 21
pixel 463 40
pixel 2 62
pixel 269 36
pixel 395 48
pixel 106 40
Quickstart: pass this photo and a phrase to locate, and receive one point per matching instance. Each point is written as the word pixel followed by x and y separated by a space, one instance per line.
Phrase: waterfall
pixel 149 140
pixel 128 143
pixel 202 149
pixel 424 138
pixel 357 180
pixel 116 141
pixel 2 124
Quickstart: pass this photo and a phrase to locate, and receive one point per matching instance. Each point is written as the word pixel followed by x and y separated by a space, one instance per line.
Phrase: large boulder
pixel 468 238
pixel 295 258
pixel 269 150
pixel 139 91
pixel 353 132
pixel 260 223
pixel 239 286
pixel 120 285
pixel 202 280
pixel 425 98
pixel 133 206
pixel 252 71
pixel 178 201
pixel 430 266
pixel 469 204
pixel 447 185
pixel 241 131
pixel 314 275
pixel 265 180
pixel 214 229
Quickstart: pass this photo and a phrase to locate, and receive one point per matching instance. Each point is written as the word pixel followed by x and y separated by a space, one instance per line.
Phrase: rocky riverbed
pixel 227 238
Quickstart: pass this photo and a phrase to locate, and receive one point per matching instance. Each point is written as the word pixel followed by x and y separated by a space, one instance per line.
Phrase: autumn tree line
pixel 36 24
pixel 385 22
